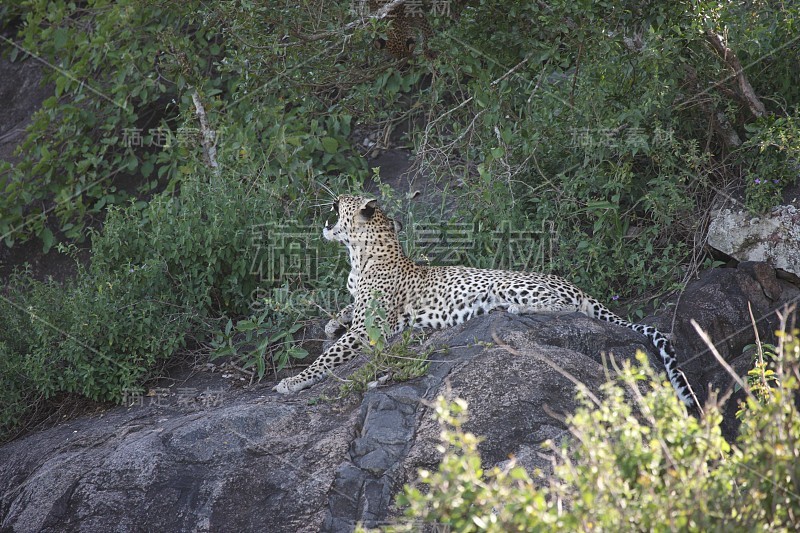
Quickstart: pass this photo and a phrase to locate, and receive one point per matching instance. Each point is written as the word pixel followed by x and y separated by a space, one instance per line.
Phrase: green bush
pixel 630 466
pixel 770 158
pixel 591 121
pixel 96 336
pixel 118 63
pixel 122 121
pixel 161 275
pixel 202 242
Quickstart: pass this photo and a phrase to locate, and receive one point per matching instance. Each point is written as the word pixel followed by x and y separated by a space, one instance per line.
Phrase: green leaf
pixel 48 239
pixel 60 38
pixel 245 325
pixel 261 367
pixel 263 346
pixel 330 145
pixel 600 204
pixel 393 83
pixel 223 352
pixel 147 169
pixel 61 82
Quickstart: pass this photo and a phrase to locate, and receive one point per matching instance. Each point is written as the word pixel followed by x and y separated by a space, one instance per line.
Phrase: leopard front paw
pixel 294 384
pixel 289 385
pixel 282 387
pixel 334 329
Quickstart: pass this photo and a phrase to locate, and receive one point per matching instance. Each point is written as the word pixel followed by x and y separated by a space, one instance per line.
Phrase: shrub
pixel 119 63
pixel 590 122
pixel 96 336
pixel 161 275
pixel 202 242
pixel 630 466
pixel 122 121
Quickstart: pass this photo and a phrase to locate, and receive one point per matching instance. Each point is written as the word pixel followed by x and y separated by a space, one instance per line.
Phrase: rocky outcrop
pixel 718 302
pixel 248 465
pixel 773 238
pixel 249 460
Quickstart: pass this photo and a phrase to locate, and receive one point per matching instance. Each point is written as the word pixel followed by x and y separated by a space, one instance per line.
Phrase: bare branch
pixel 207 135
pixel 729 57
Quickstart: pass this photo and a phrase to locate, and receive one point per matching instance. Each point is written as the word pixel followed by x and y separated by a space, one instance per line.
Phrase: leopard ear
pixel 379 43
pixel 368 208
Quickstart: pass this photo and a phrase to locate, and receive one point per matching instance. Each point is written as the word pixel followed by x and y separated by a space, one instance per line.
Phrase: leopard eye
pixel 335 206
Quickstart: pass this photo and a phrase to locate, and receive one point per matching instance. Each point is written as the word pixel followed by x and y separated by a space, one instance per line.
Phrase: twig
pixel 511 71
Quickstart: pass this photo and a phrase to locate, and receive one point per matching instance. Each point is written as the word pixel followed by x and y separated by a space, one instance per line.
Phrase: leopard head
pixel 398 47
pixel 361 224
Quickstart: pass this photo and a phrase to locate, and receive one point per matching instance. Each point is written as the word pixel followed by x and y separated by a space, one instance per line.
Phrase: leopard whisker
pixel 328 190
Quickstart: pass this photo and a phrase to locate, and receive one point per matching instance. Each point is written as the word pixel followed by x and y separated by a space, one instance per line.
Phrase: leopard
pixel 427 296
pixel 404 25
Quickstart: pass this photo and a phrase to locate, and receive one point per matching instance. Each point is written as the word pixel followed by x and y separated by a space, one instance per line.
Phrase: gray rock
pixel 773 238
pixel 252 464
pixel 262 462
pixel 718 302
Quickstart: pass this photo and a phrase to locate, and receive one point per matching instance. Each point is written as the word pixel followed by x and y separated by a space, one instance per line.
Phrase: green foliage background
pixel 590 119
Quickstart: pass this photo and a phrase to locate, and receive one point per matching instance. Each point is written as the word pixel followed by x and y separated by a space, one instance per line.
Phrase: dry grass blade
pixel 719 358
pixel 759 348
